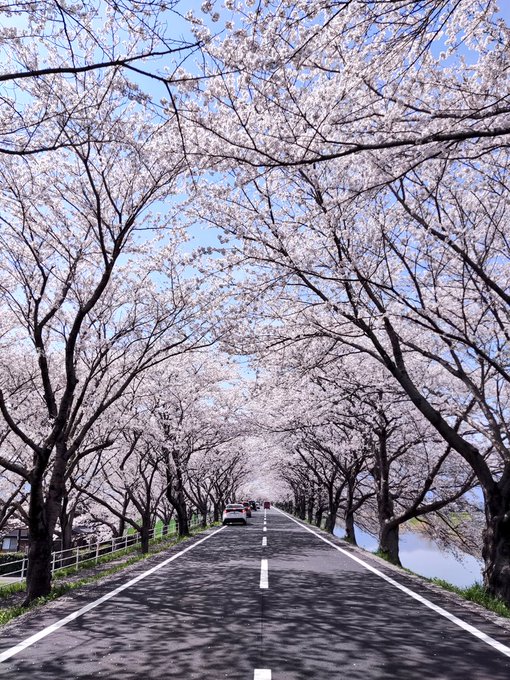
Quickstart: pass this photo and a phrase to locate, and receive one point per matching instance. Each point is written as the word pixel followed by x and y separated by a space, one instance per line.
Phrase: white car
pixel 234 513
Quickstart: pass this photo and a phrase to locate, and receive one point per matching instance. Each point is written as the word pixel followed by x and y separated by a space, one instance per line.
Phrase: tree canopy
pixel 337 335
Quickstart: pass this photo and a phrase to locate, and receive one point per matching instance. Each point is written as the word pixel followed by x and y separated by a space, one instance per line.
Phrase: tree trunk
pixel 389 541
pixel 182 517
pixel 121 528
pixel 145 534
pixel 216 512
pixel 42 519
pixel 177 497
pixel 496 540
pixel 39 552
pixel 333 505
pixel 309 509
pixel 348 508
pixel 166 518
pixel 300 507
pixel 388 529
pixel 318 517
pixel 66 525
pixel 350 531
pixel 331 521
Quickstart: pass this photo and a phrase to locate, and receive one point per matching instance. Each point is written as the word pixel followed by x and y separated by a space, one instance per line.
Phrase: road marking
pixel 264 529
pixel 264 541
pixel 262 674
pixel 264 575
pixel 504 649
pixel 75 615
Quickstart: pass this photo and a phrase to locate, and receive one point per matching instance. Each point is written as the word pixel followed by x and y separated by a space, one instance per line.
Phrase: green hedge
pixel 5 558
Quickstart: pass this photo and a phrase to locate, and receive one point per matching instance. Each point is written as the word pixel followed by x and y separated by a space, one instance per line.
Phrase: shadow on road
pixel 204 617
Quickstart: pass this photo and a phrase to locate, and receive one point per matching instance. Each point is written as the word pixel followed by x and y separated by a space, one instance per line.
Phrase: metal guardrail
pixel 72 557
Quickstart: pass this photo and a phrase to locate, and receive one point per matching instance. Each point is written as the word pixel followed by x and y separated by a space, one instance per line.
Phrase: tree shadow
pixel 204 616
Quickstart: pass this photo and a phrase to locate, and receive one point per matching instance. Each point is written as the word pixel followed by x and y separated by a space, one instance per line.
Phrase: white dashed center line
pixel 264 575
pixel 262 674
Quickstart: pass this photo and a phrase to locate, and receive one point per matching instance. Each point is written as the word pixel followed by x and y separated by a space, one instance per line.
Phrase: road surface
pixel 270 601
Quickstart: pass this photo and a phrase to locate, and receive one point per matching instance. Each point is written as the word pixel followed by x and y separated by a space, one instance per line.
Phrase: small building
pixel 15 540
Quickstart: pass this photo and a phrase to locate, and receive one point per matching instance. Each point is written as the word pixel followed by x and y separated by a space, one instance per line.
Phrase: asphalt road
pixel 217 612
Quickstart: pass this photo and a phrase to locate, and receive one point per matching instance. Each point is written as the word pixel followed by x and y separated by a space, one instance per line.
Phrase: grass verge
pixel 476 593
pixel 59 589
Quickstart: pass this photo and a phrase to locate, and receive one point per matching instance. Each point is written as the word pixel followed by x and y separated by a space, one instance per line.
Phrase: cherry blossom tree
pixel 131 474
pixel 395 83
pixel 229 475
pixel 402 254
pixel 414 473
pixel 48 48
pixel 216 475
pixel 342 275
pixel 338 467
pixel 197 419
pixel 93 293
pixel 360 442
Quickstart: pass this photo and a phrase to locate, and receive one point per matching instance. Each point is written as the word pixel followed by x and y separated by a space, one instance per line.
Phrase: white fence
pixel 73 557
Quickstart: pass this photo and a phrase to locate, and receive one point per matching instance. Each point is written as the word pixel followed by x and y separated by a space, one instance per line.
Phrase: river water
pixel 423 556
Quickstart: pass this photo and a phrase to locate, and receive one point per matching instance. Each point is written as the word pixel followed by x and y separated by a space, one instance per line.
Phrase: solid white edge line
pixel 264 574
pixel 75 615
pixel 261 674
pixel 504 649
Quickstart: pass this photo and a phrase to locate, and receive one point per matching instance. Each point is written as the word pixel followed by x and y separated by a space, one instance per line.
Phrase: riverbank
pixel 423 556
